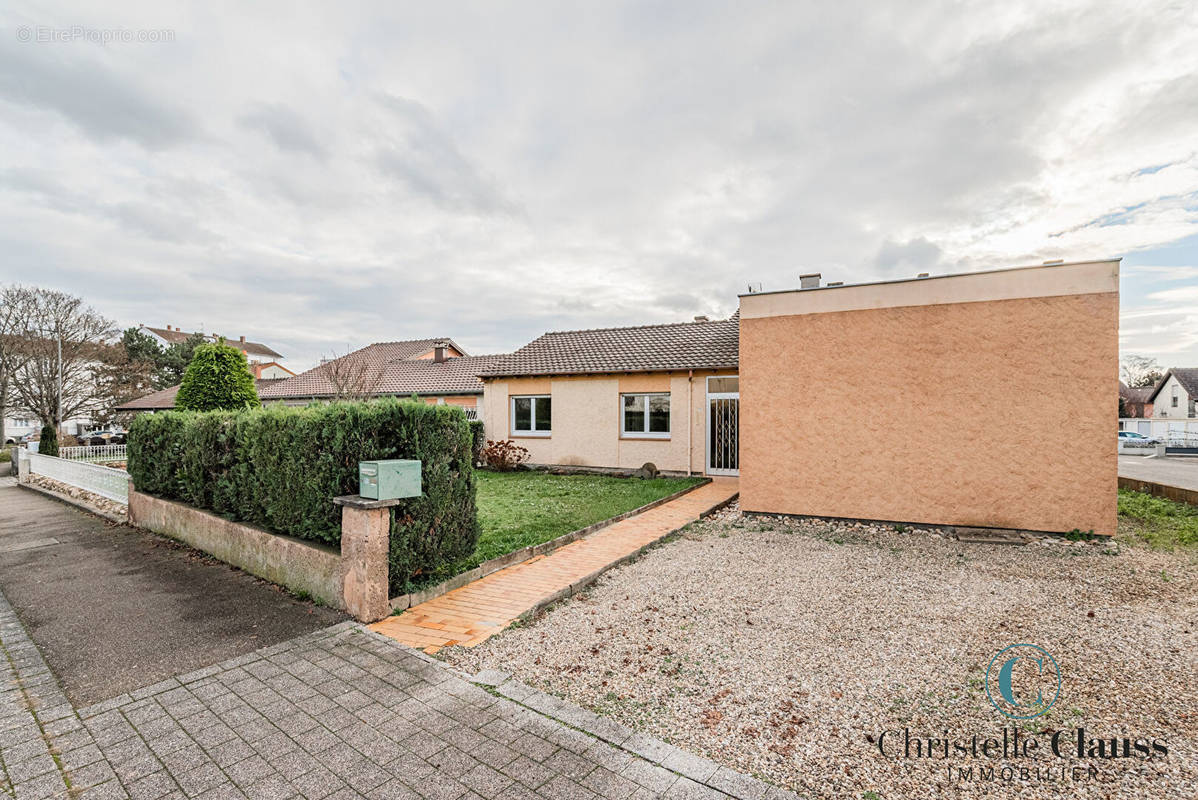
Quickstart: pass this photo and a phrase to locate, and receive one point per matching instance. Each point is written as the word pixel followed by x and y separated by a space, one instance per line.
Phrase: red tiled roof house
pixel 621 397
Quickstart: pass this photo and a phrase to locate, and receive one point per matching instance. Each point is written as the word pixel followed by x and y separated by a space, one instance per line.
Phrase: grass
pixel 1161 523
pixel 520 509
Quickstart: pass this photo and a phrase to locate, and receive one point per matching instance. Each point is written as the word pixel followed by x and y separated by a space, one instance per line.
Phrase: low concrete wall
pixel 298 565
pixel 1160 490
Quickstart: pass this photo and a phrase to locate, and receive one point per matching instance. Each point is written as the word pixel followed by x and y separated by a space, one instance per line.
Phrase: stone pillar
pixel 365 546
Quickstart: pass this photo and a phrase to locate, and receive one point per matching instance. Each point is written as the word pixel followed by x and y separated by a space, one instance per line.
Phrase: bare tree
pixel 1139 371
pixel 353 376
pixel 65 347
pixel 15 306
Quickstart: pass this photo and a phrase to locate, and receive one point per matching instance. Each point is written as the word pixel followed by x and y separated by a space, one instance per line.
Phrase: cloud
pixel 103 103
pixel 319 182
pixel 287 129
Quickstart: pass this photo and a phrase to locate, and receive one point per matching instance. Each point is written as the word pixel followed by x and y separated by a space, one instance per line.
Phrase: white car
pixel 1131 437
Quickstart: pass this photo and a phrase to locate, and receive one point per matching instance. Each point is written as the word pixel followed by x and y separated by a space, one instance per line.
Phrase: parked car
pixel 103 437
pixel 1133 438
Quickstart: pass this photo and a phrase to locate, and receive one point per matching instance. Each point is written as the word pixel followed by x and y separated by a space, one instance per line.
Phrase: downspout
pixel 690 414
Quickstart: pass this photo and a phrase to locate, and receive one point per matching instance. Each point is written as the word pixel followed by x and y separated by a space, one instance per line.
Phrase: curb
pixel 406 601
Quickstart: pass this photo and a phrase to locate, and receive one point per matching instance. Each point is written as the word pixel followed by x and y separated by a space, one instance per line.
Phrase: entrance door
pixel 723 423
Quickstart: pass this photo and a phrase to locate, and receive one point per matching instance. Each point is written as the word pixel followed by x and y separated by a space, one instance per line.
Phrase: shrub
pixel 47 443
pixel 217 379
pixel 504 455
pixel 279 468
pixel 479 435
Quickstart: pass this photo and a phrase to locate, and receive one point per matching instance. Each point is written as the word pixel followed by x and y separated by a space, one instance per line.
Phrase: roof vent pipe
pixel 702 318
pixel 809 281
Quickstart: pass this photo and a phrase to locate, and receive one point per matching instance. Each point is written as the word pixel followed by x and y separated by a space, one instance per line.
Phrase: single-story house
pixel 620 397
pixel 436 370
pixel 164 399
pixel 1176 394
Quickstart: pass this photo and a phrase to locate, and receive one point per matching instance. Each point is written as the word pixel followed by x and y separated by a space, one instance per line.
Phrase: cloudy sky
pixel 321 179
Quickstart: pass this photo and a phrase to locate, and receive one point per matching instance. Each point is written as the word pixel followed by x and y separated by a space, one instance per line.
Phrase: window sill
pixel 532 435
pixel 646 437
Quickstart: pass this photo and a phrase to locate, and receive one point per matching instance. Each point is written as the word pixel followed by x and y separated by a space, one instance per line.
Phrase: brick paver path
pixel 342 714
pixel 479 610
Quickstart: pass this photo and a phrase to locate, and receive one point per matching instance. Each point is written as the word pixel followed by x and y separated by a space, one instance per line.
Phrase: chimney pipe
pixel 809 281
pixel 439 352
pixel 243 339
pixel 168 327
pixel 702 318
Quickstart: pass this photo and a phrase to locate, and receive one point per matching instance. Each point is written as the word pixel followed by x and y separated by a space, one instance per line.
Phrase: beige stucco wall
pixel 914 412
pixel 586 420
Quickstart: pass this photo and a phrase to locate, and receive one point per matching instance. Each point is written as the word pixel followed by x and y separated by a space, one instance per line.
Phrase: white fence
pixel 104 481
pixel 103 452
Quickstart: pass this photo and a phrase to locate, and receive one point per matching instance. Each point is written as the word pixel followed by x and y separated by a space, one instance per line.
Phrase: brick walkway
pixel 479 610
pixel 340 714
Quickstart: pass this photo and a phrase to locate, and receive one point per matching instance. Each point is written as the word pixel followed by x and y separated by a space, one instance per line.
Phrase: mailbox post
pixel 366 534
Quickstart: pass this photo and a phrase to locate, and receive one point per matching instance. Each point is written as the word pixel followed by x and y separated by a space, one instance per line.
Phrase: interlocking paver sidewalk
pixel 472 614
pixel 339 713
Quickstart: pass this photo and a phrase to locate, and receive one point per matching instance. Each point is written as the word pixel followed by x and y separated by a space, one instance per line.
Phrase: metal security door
pixel 723 422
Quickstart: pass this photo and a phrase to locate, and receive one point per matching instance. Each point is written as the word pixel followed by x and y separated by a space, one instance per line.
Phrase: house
pixel 617 398
pixel 929 379
pixel 1136 403
pixel 1175 394
pixel 164 399
pixel 263 360
pixel 437 370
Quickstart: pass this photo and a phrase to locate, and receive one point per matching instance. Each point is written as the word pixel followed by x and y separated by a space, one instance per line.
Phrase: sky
pixel 318 178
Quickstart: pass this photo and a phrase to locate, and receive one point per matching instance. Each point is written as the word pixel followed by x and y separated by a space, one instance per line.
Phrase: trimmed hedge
pixel 279 468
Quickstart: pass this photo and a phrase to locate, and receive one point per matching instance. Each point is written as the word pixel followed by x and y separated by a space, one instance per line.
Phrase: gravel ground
pixel 784 648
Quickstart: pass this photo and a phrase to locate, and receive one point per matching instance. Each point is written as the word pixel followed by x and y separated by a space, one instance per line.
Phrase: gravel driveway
pixel 783 649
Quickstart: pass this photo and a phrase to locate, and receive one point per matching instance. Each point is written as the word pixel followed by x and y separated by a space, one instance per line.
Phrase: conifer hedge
pixel 279 468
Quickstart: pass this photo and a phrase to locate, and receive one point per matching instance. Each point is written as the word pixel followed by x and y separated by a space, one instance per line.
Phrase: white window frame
pixel 645 433
pixel 532 414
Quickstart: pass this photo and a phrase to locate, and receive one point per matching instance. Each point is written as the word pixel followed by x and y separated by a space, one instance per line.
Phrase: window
pixel 646 416
pixel 532 415
pixel 1175 397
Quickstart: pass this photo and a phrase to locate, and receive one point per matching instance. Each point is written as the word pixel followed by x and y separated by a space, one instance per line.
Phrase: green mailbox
pixel 389 479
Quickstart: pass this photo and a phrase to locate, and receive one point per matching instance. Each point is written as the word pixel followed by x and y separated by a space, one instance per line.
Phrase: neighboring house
pixel 270 370
pixel 1136 401
pixel 255 352
pixel 16 427
pixel 164 399
pixel 621 397
pixel 436 370
pixel 1175 394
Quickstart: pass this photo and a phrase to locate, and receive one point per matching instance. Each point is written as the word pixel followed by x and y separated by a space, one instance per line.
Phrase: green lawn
pixel 518 509
pixel 1157 521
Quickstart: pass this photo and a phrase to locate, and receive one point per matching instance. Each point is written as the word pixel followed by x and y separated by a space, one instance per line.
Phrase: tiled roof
pixel 402 376
pixel 647 348
pixel 1137 394
pixel 164 399
pixel 250 348
pixel 1186 376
